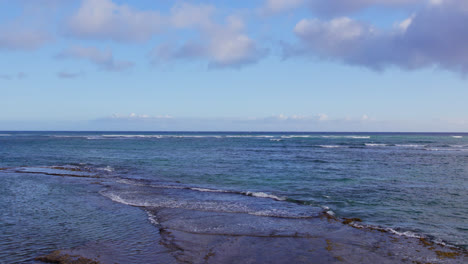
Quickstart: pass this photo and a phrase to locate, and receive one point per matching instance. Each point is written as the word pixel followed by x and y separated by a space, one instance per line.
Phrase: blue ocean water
pixel 412 183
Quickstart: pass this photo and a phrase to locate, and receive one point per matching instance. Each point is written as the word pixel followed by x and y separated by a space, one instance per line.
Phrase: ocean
pixel 118 191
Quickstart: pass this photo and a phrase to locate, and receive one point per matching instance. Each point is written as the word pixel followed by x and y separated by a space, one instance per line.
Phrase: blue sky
pixel 296 65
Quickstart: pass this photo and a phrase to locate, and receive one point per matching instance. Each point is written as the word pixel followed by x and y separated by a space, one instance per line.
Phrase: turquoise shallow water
pixel 413 183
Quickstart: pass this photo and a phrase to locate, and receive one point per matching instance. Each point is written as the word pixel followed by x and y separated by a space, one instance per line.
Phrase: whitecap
pixel 107 168
pixel 353 137
pixel 358 137
pixel 264 195
pixel 296 136
pixel 405 233
pixel 409 145
pixel 208 190
pixel 131 136
pixel 152 218
pixel 375 145
pixel 329 146
pixel 250 136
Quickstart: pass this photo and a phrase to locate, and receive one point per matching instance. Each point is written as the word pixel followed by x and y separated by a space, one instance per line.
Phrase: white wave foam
pixel 445 149
pixel 406 233
pixel 67 136
pixel 161 136
pixel 457 136
pixel 190 136
pixel 131 136
pixel 353 137
pixel 118 199
pixel 199 205
pixel 250 136
pixel 409 145
pixel 152 218
pixel 93 137
pixel 107 168
pixel 327 210
pixel 375 145
pixel 297 136
pixel 264 195
pixel 329 146
pixel 208 190
pixel 275 139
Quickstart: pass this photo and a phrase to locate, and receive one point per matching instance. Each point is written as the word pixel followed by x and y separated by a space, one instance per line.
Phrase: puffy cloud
pixel 222 45
pixel 29 29
pixel 103 19
pixel 436 36
pixel 104 59
pixel 69 75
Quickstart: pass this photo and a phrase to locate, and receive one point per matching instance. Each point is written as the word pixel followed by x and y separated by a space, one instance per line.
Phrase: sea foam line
pixel 375 145
pixel 330 146
pixel 199 189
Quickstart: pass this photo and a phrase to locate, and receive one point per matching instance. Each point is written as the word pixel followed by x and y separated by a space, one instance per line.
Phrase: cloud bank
pixel 435 36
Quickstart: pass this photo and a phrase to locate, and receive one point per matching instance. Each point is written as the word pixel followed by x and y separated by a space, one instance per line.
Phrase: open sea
pixel 62 190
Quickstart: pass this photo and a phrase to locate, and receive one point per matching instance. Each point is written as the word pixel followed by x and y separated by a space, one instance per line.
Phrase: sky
pixel 257 65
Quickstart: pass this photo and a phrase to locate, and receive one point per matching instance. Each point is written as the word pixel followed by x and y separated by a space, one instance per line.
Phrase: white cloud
pixel 222 45
pixel 103 19
pixel 434 36
pixel 104 59
pixel 403 25
pixel 338 36
pixel 322 117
